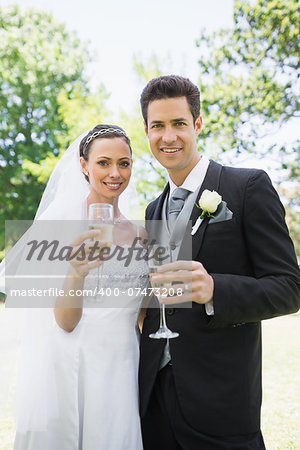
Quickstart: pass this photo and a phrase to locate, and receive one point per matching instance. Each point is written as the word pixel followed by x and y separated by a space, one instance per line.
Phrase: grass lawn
pixel 281 387
pixel 281 383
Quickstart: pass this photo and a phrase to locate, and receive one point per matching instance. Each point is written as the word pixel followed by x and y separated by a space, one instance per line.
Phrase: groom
pixel 202 390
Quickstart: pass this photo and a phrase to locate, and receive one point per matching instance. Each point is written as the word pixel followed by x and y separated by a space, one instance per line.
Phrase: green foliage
pixel 44 103
pixel 147 71
pixel 41 170
pixel 248 78
pixel 80 111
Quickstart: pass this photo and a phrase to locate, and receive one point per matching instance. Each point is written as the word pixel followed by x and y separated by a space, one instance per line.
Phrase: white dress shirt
pixel 195 177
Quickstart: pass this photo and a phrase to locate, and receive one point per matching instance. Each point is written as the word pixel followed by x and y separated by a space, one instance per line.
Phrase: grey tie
pixel 175 205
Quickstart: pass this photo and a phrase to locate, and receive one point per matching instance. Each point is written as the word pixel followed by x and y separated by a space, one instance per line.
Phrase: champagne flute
pixel 101 218
pixel 159 255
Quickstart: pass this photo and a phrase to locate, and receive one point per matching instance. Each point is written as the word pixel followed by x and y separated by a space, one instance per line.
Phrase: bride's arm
pixel 68 308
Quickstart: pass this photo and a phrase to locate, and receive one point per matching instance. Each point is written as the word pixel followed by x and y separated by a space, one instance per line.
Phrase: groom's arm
pixel 275 287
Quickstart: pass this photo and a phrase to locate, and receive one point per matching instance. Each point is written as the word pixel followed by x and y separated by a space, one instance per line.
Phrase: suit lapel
pixel 157 212
pixel 154 217
pixel 211 182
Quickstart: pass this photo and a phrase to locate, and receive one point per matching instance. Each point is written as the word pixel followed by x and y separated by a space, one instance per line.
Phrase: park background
pixel 67 65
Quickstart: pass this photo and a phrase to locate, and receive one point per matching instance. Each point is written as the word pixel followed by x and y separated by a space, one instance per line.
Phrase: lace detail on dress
pixel 122 279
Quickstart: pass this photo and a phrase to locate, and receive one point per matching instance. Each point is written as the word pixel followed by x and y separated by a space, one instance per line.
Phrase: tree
pixel 248 77
pixel 42 68
pixel 249 83
pixel 78 111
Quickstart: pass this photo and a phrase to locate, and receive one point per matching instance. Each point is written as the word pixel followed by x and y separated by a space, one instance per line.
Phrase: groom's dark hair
pixel 171 86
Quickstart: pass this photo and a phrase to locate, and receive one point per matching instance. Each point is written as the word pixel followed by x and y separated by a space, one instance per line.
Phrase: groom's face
pixel 172 136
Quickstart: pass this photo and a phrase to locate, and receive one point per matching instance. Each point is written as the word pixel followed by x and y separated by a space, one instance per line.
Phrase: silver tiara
pixel 100 132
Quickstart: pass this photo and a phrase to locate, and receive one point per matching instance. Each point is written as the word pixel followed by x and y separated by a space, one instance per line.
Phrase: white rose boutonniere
pixel 209 202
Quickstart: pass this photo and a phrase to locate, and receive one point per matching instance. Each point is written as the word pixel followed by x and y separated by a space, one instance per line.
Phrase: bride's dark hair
pixel 102 131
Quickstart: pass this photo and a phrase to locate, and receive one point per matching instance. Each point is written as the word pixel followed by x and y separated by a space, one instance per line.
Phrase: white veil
pixel 67 189
pixel 63 199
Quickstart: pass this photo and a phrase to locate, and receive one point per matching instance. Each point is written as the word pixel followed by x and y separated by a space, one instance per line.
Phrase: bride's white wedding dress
pixel 92 401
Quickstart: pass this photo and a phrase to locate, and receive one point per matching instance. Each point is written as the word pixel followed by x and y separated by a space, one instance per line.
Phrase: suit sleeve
pixel 273 289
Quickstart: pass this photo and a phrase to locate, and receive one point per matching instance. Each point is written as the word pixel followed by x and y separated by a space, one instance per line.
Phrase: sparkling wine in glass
pixel 106 232
pixel 159 255
pixel 101 218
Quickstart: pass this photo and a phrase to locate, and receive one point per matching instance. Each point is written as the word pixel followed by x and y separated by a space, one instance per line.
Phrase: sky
pixel 119 29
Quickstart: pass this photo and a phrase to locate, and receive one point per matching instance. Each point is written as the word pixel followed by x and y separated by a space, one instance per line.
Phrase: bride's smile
pixel 108 168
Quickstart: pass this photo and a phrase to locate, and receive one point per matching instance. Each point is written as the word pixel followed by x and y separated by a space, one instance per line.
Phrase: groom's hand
pixel 198 285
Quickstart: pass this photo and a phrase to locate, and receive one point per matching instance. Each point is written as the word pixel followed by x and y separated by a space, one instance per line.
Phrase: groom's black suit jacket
pixel 217 359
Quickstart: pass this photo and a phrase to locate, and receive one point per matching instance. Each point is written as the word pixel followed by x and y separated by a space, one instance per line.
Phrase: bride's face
pixel 109 168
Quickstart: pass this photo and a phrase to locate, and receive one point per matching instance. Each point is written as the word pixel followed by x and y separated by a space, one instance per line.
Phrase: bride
pixel 79 389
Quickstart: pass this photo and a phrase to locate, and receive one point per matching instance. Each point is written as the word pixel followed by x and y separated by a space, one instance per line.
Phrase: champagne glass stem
pixel 163 332
pixel 163 315
pixel 161 320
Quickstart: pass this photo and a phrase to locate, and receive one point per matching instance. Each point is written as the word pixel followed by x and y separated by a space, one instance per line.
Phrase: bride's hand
pixel 83 257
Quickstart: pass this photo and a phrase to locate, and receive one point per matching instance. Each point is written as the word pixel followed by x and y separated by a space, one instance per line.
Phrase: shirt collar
pixel 195 177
